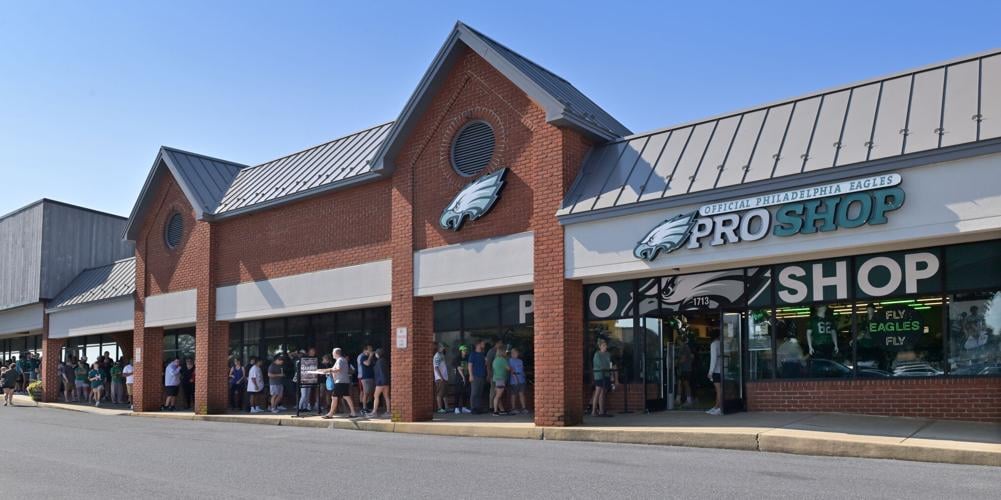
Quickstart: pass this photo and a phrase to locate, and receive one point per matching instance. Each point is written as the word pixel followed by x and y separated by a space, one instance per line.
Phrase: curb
pixel 748 439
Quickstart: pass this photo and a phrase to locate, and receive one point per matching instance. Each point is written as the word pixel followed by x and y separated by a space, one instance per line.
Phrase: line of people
pixel 27 368
pixel 482 379
pixel 104 380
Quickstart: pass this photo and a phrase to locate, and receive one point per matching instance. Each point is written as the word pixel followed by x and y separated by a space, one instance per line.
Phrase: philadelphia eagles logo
pixel 473 201
pixel 666 237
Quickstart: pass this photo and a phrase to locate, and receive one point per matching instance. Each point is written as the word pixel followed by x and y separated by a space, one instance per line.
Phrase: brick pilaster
pixel 51 350
pixel 559 319
pixel 211 336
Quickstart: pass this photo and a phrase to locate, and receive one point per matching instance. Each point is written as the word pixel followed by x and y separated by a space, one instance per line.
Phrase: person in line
pixel 462 381
pixel 19 367
pixel 325 383
pixel 67 376
pixel 276 379
pixel 188 382
pixel 117 383
pixel 685 399
pixel 237 381
pixel 305 392
pixel 501 370
pixel 440 378
pixel 171 382
pixel 341 372
pixel 518 381
pixel 602 366
pixel 477 376
pixel 105 364
pixel 255 384
pixel 8 380
pixel 80 381
pixel 129 372
pixel 382 378
pixel 716 372
pixel 96 378
pixel 366 375
pixel 491 355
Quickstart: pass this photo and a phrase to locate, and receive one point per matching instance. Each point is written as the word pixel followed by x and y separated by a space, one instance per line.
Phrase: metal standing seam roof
pixel 208 178
pixel 935 107
pixel 576 103
pixel 114 280
pixel 310 170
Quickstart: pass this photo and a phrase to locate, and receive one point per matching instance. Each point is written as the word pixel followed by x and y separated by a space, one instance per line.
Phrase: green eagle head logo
pixel 473 201
pixel 666 237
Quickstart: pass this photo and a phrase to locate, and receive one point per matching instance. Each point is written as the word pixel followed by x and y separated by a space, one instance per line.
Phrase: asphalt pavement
pixel 53 453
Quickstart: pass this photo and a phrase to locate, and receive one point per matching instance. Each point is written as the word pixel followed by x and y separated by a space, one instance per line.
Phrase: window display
pixel 815 341
pixel 899 338
pixel 975 333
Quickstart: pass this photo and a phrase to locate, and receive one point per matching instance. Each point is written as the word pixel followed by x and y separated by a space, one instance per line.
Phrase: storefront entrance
pixel 678 353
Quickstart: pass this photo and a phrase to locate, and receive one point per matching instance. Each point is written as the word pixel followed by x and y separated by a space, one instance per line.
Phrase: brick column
pixel 51 350
pixel 559 317
pixel 411 378
pixel 147 345
pixel 211 336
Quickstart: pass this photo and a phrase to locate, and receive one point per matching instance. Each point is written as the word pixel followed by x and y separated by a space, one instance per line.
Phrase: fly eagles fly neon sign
pixel 842 205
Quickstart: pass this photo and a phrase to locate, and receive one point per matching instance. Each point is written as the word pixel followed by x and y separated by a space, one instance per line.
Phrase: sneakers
pixel 442 411
pixel 281 408
pixel 256 410
pixel 466 410
pixel 276 410
pixel 714 411
pixel 458 411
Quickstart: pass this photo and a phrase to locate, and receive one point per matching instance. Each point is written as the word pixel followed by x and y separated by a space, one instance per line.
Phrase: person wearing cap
pixel 462 380
pixel 441 378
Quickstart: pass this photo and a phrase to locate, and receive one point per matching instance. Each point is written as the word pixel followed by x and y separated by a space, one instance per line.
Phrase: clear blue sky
pixel 90 90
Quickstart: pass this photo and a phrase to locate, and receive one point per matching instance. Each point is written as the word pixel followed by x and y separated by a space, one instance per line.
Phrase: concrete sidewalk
pixel 823 434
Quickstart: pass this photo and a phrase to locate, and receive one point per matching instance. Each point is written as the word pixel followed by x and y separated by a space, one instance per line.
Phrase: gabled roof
pixel 317 169
pixel 879 124
pixel 203 179
pixel 96 284
pixel 563 103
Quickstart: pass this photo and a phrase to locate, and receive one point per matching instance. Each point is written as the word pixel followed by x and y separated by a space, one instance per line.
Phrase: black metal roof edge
pixel 811 95
pixel 298 196
pixel 79 305
pixel 918 159
pixel 554 109
pixel 60 203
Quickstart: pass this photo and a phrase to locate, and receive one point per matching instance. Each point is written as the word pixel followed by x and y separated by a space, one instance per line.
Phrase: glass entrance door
pixel 732 339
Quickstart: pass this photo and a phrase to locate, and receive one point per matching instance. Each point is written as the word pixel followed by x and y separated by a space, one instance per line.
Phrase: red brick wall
pixel 343 228
pixel 474 90
pixel 171 270
pixel 958 398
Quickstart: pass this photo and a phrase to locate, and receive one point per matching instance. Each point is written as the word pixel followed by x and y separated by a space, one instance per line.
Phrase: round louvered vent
pixel 472 148
pixel 174 231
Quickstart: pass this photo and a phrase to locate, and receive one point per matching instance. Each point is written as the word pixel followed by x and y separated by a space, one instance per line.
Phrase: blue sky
pixel 90 90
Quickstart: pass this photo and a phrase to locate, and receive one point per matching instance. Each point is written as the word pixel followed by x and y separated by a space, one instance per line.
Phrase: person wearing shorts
pixel 366 375
pixel 80 381
pixel 501 370
pixel 382 378
pixel 129 372
pixel 255 384
pixel 341 373
pixel 8 379
pixel 440 378
pixel 516 387
pixel 96 378
pixel 171 381
pixel 276 378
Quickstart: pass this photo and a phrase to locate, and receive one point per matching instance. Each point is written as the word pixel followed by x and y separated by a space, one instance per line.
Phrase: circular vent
pixel 174 231
pixel 472 148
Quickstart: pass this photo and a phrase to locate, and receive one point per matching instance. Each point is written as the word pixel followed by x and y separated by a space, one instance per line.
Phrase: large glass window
pixel 179 343
pixel 816 341
pixel 760 335
pixel 508 318
pixel 899 337
pixel 975 333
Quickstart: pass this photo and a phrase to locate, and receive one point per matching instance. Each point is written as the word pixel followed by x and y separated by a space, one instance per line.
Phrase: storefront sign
pixel 306 366
pixel 848 204
pixel 896 328
pixel 875 276
pixel 474 201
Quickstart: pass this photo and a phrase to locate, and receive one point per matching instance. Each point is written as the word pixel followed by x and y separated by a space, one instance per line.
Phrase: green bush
pixel 35 390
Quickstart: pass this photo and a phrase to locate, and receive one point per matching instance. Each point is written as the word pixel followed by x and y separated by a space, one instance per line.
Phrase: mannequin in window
pixel 822 335
pixel 868 351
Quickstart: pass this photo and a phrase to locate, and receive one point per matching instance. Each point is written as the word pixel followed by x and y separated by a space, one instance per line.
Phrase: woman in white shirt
pixel 716 371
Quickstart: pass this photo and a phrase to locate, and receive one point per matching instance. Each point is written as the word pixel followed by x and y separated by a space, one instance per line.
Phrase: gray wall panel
pixel 20 257
pixel 75 239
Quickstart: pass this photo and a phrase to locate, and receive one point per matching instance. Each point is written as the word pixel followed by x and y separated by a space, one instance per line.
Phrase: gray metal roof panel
pixel 576 102
pixel 207 178
pixel 308 170
pixel 96 284
pixel 943 105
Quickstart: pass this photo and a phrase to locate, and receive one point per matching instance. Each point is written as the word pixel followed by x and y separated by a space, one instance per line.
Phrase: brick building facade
pixel 344 244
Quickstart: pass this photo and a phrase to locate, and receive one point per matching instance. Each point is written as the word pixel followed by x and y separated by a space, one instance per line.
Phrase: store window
pixel 178 343
pixel 815 341
pixel 975 333
pixel 900 337
pixel 507 318
pixel 760 337
pixel 91 346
